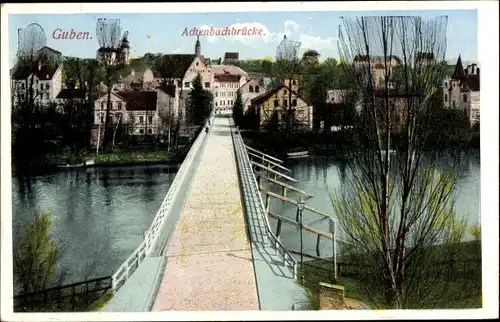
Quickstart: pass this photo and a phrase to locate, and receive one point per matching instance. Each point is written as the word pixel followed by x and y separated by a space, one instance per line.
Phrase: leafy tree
pixel 238 110
pixel 200 102
pixel 35 259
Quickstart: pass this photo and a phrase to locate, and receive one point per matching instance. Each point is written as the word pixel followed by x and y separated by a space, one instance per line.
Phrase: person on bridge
pixel 206 129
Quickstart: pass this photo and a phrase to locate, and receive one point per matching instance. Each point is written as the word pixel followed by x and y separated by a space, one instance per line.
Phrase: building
pixel 251 89
pixel 71 94
pixel 118 56
pixel 136 81
pixel 425 59
pixel 231 58
pixel 227 80
pixel 47 83
pixel 461 91
pixel 140 112
pixel 377 65
pixel 272 105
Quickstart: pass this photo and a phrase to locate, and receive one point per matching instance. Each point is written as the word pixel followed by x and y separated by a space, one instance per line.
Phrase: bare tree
pixel 396 204
pixel 287 68
pixel 29 59
pixel 109 36
pixel 169 69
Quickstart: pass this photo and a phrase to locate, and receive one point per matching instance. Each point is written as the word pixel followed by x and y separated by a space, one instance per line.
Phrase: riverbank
pixel 461 291
pixel 65 160
pixel 317 143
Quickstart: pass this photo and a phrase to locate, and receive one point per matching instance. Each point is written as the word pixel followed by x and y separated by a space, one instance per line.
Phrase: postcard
pixel 249 161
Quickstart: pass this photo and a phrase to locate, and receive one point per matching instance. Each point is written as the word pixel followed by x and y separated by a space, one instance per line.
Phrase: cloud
pixel 177 50
pixel 293 31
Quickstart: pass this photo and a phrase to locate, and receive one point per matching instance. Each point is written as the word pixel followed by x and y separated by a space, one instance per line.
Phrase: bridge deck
pixel 210 264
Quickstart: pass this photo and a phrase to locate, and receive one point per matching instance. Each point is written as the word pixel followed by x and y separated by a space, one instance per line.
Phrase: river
pixel 99 215
pixel 321 176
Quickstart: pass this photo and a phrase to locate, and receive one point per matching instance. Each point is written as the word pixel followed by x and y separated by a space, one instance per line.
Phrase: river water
pixel 321 176
pixel 99 215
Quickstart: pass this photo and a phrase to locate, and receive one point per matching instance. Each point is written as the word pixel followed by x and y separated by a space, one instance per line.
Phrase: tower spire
pixel 459 69
pixel 197 47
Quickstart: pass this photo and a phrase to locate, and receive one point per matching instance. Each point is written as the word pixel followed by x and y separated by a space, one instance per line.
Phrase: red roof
pixel 139 100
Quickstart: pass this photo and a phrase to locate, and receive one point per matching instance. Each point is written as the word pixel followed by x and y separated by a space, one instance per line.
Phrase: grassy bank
pixel 462 289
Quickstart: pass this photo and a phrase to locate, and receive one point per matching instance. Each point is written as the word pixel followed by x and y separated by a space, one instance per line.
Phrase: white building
pixel 47 83
pixel 251 89
pixel 139 111
pixel 226 82
pixel 461 91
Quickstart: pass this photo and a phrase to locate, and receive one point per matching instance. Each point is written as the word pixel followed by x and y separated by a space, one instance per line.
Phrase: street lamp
pixel 300 208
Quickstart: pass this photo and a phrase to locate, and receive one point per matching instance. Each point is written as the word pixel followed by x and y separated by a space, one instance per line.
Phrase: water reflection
pixel 99 214
pixel 322 176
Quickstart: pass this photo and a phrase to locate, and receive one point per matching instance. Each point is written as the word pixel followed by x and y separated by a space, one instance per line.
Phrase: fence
pixel 125 270
pixel 245 163
pixel 72 297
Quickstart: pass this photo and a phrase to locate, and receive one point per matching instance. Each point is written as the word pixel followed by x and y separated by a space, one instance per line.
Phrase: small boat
pixel 297 154
pixel 71 166
pixel 89 162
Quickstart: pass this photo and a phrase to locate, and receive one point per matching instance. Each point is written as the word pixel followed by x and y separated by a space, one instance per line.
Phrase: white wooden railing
pixel 151 235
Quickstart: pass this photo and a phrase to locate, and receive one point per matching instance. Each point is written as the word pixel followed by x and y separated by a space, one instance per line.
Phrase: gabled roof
pixel 175 65
pixel 263 97
pixel 76 93
pixel 227 78
pixel 459 72
pixel 473 82
pixel 168 89
pixel 50 49
pixel 139 100
pixel 311 53
pixel 258 80
pixel 231 55
pixel 43 73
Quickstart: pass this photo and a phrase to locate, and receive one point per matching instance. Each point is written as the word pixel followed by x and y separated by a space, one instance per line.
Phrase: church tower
pixel 197 47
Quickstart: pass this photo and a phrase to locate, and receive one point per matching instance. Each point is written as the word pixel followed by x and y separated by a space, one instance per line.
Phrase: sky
pixel 164 32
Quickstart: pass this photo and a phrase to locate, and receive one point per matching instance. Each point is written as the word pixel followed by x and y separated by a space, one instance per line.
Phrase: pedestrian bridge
pixel 210 246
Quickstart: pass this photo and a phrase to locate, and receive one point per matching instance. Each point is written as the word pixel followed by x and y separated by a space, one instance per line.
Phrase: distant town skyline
pixel 165 33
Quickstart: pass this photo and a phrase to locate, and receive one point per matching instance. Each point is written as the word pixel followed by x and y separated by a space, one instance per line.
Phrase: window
pixel 102 118
pixel 179 83
pixel 256 89
pixel 216 94
pixel 150 131
pixel 215 104
pixel 47 86
pixel 285 92
pixel 453 84
pixel 294 82
pixel 197 63
pixel 141 119
pixel 22 85
pixel 102 105
pixel 150 119
pixel 465 97
pixel 294 102
pixel 446 97
pixel 36 82
pixel 186 84
pixel 250 89
pixel 285 103
pixel 120 105
pixel 276 103
pixel 445 84
pixel 141 131
pixel 454 103
pixel 207 85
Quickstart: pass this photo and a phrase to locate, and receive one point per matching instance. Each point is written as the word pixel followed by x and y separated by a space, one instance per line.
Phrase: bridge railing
pixel 126 269
pixel 287 257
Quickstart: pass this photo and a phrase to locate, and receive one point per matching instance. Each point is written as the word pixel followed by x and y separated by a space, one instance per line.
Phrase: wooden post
pixel 284 192
pixel 317 245
pixel 278 229
pixel 268 202
pixel 334 257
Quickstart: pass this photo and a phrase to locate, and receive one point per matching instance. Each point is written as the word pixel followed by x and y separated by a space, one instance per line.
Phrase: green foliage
pixel 200 102
pixel 36 257
pixel 238 110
